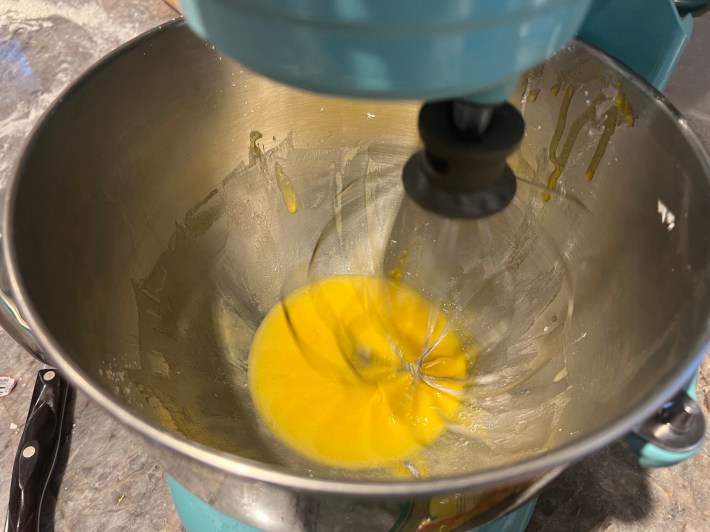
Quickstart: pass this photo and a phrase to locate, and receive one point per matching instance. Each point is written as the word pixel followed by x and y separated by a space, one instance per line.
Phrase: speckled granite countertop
pixel 109 484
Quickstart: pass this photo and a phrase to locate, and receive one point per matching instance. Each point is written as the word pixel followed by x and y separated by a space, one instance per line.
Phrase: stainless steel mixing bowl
pixel 147 231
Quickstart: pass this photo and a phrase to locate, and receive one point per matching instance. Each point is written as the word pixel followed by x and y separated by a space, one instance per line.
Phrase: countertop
pixel 109 484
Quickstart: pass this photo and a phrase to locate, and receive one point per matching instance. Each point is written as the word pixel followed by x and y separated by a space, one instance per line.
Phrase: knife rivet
pixel 49 375
pixel 29 451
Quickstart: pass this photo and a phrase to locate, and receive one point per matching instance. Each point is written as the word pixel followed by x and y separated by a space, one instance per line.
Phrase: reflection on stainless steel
pixel 14 324
pixel 679 425
pixel 147 287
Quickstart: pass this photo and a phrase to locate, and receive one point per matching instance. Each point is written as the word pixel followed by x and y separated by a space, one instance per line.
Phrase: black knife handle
pixel 37 452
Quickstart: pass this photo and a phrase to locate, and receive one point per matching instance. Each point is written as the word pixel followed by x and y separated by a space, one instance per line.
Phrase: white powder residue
pixel 87 15
pixel 78 34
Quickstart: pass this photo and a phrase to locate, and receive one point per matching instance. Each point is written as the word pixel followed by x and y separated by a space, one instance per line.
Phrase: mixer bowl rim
pixel 251 470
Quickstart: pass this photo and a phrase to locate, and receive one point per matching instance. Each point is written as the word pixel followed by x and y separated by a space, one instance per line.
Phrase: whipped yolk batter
pixel 336 372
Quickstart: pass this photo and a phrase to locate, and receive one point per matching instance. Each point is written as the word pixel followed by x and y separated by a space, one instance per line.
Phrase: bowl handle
pixel 10 317
pixel 674 434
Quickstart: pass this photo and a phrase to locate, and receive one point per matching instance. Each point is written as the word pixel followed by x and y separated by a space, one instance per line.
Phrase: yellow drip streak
pixel 625 107
pixel 610 119
pixel 255 153
pixel 621 113
pixel 532 76
pixel 526 82
pixel 286 187
pixel 555 141
pixel 588 115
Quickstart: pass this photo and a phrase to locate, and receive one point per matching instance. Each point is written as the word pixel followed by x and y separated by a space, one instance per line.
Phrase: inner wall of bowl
pixel 166 236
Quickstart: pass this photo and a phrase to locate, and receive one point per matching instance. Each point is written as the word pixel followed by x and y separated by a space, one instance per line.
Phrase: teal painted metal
pixel 648 36
pixel 198 516
pixel 494 95
pixel 650 455
pixel 394 49
pixel 515 521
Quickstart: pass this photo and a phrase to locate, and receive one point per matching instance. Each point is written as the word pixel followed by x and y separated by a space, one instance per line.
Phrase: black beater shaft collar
pixel 462 172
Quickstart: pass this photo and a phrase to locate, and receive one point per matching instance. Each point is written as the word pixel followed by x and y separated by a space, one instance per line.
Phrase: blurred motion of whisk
pixel 479 254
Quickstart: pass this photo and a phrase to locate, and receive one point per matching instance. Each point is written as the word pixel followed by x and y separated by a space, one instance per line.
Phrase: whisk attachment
pixel 432 295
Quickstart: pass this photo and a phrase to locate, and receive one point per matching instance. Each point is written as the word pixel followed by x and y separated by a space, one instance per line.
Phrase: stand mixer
pixel 465 58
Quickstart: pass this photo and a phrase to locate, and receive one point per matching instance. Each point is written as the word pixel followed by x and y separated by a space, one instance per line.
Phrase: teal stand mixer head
pixel 462 56
pixel 398 49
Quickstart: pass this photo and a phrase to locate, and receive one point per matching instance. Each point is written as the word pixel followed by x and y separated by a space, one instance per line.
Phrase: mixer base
pixel 198 516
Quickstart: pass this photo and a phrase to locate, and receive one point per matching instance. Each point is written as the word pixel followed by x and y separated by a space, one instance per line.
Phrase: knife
pixel 37 453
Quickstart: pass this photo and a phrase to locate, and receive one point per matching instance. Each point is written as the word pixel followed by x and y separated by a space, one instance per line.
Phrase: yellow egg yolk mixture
pixel 357 372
